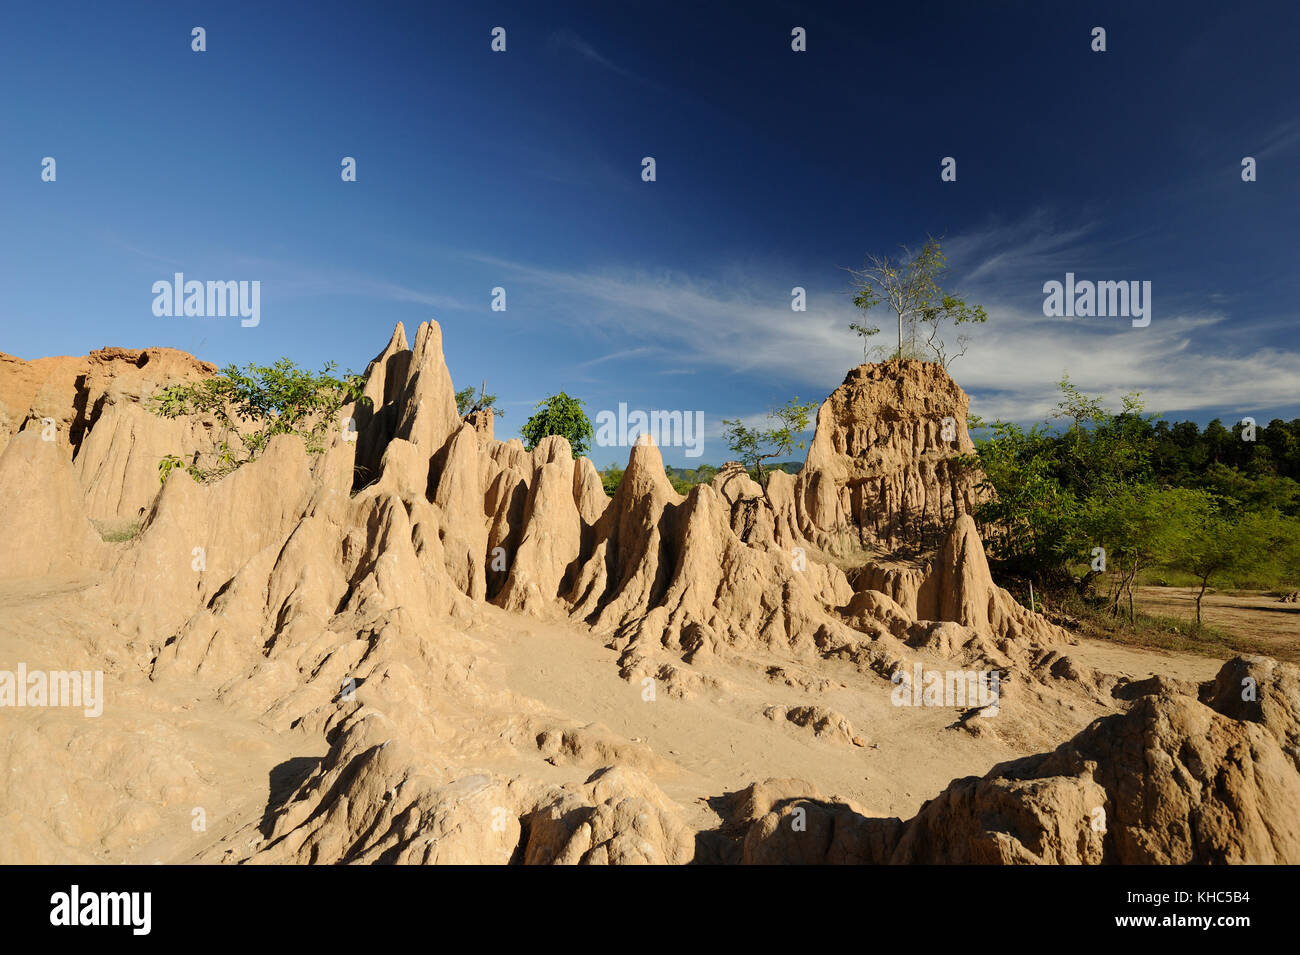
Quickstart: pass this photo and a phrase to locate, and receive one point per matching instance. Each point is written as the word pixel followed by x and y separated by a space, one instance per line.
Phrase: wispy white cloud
pixel 1016 360
pixel 567 39
pixel 696 321
pixel 1188 359
pixel 1035 244
pixel 1281 139
pixel 292 281
pixel 620 355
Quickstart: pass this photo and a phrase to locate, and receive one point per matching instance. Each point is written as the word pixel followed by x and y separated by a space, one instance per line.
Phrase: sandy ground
pixel 722 741
pixel 231 761
pixel 1138 664
pixel 1252 615
pixel 715 741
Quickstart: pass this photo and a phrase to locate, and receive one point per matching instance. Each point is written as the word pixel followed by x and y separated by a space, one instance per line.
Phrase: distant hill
pixel 705 472
pixel 683 479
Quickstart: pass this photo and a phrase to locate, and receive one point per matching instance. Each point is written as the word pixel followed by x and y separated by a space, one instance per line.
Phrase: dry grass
pixel 1155 629
pixel 117 531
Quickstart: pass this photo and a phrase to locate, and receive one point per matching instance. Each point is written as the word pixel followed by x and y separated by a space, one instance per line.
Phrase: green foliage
pixel 468 403
pixel 1031 516
pixel 167 465
pixel 1100 448
pixel 611 477
pixel 1257 491
pixel 1259 473
pixel 866 331
pixel 254 404
pixel 910 288
pixel 682 479
pixel 753 446
pixel 562 415
pixel 1206 504
pixel 1138 525
pixel 1220 544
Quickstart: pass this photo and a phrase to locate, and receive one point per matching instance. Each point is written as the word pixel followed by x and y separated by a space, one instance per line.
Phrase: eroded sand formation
pixel 427 645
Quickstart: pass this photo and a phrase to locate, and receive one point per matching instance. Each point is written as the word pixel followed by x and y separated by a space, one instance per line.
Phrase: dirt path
pixel 1138 663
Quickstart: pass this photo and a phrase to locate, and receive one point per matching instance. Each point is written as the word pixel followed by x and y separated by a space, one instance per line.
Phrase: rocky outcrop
pixel 1260 690
pixel 96 409
pixel 426 409
pixel 46 527
pixel 117 462
pixel 195 538
pixel 375 418
pixel 884 468
pixel 1171 782
pixel 670 580
pixel 74 391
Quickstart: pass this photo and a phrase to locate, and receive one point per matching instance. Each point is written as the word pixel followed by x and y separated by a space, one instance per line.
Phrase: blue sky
pixel 775 169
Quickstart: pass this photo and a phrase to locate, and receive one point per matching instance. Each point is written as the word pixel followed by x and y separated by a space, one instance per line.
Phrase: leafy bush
pixel 255 403
pixel 611 478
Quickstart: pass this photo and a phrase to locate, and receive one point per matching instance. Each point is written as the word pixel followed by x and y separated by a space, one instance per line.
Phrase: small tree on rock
pixel 467 403
pixel 909 287
pixel 562 415
pixel 753 446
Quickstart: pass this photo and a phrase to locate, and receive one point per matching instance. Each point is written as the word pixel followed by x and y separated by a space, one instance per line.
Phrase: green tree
pixel 1043 482
pixel 910 288
pixel 705 473
pixel 1029 518
pixel 866 331
pixel 561 415
pixel 1222 544
pixel 1135 486
pixel 753 446
pixel 1100 447
pixel 468 403
pixel 1138 526
pixel 1257 493
pixel 254 404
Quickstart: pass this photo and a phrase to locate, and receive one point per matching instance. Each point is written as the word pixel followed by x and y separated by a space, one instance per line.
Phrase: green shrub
pixel 256 403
